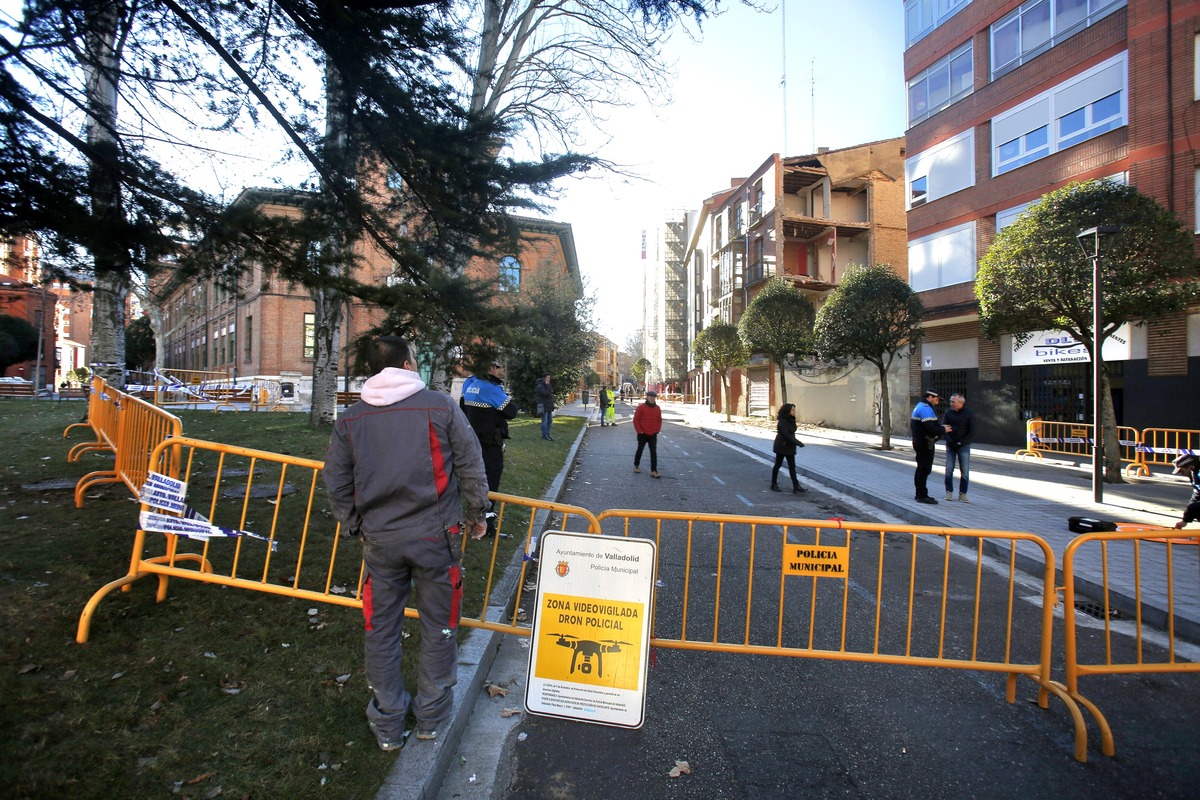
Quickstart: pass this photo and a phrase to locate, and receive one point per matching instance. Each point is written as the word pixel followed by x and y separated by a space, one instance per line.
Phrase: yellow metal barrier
pixel 1160 446
pixel 1135 555
pixel 1073 439
pixel 850 592
pixel 273 536
pixel 101 420
pixel 140 427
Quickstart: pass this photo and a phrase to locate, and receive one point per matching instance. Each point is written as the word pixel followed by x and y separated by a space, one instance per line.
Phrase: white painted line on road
pixel 718 480
pixel 685 452
pixel 744 500
pixel 698 464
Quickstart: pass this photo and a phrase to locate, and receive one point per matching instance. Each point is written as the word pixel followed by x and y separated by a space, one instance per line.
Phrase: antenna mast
pixel 783 77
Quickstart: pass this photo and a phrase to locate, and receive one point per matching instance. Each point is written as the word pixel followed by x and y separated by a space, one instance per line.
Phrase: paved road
pixel 758 726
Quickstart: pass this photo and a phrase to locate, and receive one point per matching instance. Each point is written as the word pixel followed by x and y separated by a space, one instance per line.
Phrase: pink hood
pixel 391 386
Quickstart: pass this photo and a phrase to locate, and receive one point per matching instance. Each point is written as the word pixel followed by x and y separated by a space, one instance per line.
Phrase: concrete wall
pixel 847 398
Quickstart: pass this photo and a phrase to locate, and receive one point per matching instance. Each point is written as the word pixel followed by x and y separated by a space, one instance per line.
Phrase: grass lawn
pixel 214 691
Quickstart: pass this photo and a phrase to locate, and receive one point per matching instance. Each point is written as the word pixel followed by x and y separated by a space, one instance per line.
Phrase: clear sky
pixel 844 58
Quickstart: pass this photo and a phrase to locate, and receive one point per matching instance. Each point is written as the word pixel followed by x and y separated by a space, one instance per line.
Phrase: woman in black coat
pixel 785 447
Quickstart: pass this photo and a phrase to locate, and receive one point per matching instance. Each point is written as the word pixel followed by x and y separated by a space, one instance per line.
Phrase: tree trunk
pixel 1112 442
pixel 783 382
pixel 158 326
pixel 329 304
pixel 329 307
pixel 109 253
pixel 885 408
pixel 725 401
pixel 485 64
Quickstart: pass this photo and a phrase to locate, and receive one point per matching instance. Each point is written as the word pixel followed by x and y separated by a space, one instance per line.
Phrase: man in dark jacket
pixel 489 408
pixel 545 399
pixel 606 400
pixel 959 424
pixel 401 464
pixel 925 431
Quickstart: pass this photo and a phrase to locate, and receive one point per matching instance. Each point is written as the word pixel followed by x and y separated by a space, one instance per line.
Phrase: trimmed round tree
pixel 778 323
pixel 872 315
pixel 722 347
pixel 1036 277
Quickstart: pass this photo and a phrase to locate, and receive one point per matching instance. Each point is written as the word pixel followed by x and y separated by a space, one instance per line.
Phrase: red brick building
pixel 23 296
pixel 266 329
pixel 805 219
pixel 1009 100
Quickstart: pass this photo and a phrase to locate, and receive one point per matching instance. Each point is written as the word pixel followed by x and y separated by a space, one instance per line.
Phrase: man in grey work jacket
pixel 396 464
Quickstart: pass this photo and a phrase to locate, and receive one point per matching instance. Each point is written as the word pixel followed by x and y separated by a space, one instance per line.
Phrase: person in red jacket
pixel 647 421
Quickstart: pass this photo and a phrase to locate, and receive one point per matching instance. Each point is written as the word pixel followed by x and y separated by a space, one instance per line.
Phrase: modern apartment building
pixel 805 218
pixel 1008 100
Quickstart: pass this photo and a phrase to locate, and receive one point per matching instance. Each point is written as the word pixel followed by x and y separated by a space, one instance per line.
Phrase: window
pixel 510 274
pixel 756 212
pixel 943 169
pixel 1023 149
pixel 1196 68
pixel 918 190
pixel 948 80
pixel 1038 25
pixel 1090 121
pixel 310 335
pixel 922 16
pixel 739 223
pixel 249 338
pixel 941 259
pixel 1076 110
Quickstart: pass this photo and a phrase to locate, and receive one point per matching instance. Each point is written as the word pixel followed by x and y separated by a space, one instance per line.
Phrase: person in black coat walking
pixel 785 447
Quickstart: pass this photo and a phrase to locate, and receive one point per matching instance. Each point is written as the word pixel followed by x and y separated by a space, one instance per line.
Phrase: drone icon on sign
pixel 588 649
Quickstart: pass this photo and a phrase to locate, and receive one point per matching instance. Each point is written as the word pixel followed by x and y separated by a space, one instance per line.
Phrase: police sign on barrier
pixel 591 637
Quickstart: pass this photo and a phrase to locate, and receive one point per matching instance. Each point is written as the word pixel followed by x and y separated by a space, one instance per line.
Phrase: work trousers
pixel 394 566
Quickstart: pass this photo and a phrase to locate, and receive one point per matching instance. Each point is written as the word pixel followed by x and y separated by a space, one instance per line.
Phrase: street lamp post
pixel 1089 241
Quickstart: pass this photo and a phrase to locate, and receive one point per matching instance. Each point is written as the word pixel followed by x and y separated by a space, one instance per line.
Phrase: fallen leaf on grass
pixel 201 778
pixel 496 691
pixel 25 670
pixel 680 768
pixel 509 712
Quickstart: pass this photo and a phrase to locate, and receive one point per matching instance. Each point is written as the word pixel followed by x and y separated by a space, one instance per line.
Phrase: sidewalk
pixel 1006 494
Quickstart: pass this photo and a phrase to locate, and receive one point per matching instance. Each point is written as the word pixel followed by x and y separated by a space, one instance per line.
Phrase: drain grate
pixel 1096 609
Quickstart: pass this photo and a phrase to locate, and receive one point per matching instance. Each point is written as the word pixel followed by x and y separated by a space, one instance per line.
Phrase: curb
pixel 420 767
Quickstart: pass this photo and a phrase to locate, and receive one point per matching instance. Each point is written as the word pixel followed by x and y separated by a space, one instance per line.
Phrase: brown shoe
pixel 655 475
pixel 636 468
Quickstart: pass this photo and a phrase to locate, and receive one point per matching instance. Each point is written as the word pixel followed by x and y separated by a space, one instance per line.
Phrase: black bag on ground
pixel 1090 525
